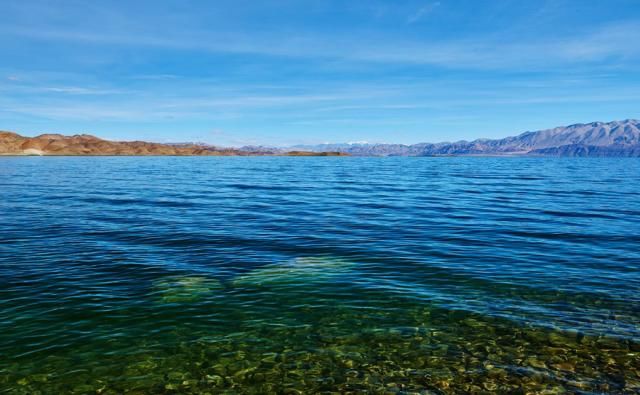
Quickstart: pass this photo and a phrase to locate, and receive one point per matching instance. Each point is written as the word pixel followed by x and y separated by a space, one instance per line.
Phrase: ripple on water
pixel 303 275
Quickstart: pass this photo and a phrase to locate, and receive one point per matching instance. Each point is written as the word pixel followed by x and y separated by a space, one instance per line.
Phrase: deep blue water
pixel 259 274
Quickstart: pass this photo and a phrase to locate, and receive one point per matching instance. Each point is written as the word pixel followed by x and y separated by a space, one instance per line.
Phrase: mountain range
pixel 617 138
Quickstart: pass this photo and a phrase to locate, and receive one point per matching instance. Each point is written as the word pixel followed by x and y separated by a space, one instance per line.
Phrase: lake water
pixel 304 275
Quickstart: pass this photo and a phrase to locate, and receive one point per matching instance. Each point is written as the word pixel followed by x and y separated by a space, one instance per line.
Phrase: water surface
pixel 303 275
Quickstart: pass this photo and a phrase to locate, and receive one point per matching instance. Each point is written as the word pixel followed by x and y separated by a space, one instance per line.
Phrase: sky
pixel 280 72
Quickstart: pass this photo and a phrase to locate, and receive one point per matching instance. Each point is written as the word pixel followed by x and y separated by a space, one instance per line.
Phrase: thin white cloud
pixel 147 106
pixel 617 41
pixel 156 77
pixel 34 87
pixel 341 105
pixel 76 90
pixel 423 12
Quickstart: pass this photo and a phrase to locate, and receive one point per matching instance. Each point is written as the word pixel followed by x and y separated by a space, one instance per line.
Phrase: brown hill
pixel 84 144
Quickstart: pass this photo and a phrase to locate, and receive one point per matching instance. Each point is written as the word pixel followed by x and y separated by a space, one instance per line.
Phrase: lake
pixel 305 275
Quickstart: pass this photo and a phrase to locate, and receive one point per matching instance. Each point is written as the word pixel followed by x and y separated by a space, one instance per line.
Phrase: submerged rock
pixel 298 271
pixel 185 289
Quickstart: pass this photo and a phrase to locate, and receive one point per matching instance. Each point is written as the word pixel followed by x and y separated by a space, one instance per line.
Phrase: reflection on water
pixel 305 275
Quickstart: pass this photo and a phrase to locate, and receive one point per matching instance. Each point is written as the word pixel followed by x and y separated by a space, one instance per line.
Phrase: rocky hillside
pixel 56 144
pixel 618 138
pixel 83 144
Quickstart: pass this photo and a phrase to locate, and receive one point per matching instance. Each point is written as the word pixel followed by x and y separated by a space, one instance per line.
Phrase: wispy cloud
pixel 371 102
pixel 604 44
pixel 76 90
pixel 16 86
pixel 156 77
pixel 601 44
pixel 140 106
pixel 423 12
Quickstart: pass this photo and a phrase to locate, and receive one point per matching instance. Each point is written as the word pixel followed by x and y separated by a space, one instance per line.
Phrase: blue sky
pixel 288 72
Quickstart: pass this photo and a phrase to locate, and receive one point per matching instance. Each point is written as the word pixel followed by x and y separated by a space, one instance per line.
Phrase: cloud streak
pixel 611 43
pixel 423 12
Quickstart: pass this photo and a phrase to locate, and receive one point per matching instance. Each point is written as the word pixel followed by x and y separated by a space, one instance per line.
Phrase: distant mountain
pixel 84 144
pixel 618 138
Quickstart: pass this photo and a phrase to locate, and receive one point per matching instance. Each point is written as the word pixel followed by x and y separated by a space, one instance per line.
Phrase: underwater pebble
pixel 332 357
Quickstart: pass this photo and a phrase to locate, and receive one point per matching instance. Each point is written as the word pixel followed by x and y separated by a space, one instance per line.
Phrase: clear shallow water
pixel 258 275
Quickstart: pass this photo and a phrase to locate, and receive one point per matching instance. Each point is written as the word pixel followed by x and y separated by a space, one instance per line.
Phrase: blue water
pixel 281 274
